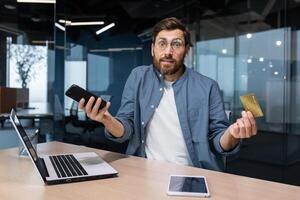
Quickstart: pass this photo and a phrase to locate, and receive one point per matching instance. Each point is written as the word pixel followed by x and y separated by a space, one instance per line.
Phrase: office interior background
pixel 247 46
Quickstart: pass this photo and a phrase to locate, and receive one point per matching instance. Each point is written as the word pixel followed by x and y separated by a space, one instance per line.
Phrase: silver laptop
pixel 64 168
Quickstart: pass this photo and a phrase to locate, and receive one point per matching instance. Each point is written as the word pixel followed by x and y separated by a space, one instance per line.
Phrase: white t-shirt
pixel 164 136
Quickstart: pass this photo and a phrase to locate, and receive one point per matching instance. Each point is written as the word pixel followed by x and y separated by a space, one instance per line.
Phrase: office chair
pixel 74 128
pixel 228 114
pixel 74 109
pixel 78 131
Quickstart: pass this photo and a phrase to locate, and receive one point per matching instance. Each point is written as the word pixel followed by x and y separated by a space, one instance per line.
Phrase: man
pixel 170 112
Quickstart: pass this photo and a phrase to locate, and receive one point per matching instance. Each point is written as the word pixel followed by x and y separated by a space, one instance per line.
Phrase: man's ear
pixel 186 51
pixel 152 49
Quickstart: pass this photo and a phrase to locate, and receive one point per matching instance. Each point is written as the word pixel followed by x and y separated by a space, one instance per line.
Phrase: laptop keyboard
pixel 67 166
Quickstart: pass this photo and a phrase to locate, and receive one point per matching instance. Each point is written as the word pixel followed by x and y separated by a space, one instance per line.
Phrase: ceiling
pixel 37 20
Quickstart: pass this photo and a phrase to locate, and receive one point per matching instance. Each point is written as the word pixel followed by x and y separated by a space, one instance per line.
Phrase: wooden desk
pixel 138 179
pixel 35 111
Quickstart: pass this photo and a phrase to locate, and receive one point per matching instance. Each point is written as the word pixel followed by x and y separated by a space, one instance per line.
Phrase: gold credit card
pixel 250 104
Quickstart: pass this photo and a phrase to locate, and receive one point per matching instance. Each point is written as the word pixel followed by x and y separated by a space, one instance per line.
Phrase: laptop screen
pixel 23 135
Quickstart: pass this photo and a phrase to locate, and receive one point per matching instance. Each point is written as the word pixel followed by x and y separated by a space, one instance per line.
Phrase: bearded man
pixel 170 112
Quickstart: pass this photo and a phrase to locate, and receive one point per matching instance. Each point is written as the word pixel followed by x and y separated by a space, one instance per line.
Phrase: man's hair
pixel 170 24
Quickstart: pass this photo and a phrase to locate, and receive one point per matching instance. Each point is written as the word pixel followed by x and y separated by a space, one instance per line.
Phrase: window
pixel 27 67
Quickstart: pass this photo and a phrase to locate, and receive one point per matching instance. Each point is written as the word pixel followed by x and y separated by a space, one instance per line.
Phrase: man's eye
pixel 176 45
pixel 161 44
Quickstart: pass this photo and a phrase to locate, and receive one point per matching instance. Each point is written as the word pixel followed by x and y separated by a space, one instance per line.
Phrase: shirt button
pixel 143 141
pixel 160 89
pixel 152 106
pixel 143 123
pixel 160 75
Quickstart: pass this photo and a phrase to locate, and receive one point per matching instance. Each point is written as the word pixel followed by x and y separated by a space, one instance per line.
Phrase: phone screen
pixel 188 184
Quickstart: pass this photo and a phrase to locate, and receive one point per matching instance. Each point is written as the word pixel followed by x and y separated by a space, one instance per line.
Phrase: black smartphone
pixel 76 93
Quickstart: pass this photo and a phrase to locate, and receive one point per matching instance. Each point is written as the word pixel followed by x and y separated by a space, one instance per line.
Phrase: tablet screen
pixel 186 185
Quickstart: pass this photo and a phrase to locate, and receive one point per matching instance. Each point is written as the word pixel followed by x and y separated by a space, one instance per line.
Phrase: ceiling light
pixel 105 28
pixel 261 59
pixel 276 73
pixel 10 7
pixel 263 69
pixel 116 49
pixel 278 42
pixel 64 21
pixel 121 49
pixel 60 26
pixel 224 51
pixel 249 35
pixel 36 1
pixel 249 60
pixel 88 23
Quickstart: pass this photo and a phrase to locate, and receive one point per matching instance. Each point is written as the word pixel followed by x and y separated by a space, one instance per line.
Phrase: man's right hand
pixel 93 112
pixel 102 116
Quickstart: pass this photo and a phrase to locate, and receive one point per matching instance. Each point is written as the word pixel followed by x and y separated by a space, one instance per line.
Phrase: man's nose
pixel 169 50
pixel 168 55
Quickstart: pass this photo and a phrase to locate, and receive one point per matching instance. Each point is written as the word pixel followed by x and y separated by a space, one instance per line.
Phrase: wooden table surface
pixel 138 178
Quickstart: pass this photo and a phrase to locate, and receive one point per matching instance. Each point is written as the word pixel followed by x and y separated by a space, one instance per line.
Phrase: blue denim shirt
pixel 200 111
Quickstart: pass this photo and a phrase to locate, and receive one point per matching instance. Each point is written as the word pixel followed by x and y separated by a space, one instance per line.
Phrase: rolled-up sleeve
pixel 125 114
pixel 220 150
pixel 218 122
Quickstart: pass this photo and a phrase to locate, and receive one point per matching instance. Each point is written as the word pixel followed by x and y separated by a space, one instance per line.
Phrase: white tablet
pixel 185 185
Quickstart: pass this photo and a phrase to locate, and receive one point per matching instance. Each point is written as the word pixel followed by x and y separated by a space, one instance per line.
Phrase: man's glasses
pixel 175 44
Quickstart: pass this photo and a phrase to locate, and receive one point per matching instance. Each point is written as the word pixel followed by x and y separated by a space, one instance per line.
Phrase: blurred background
pixel 247 46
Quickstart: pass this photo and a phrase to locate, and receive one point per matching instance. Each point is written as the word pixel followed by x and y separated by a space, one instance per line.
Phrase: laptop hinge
pixel 42 167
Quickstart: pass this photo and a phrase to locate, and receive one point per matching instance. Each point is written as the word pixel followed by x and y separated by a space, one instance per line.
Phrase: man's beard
pixel 167 69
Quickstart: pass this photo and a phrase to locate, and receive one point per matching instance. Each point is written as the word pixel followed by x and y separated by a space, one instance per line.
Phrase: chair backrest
pixel 58 109
pixel 74 109
pixel 106 97
pixel 228 114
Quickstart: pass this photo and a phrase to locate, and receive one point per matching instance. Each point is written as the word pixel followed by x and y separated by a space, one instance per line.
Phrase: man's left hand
pixel 244 127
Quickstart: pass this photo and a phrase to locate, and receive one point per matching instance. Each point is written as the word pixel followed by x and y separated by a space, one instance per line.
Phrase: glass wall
pixel 27 38
pixel 244 65
pixel 215 59
pixel 27 62
pixel 255 49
